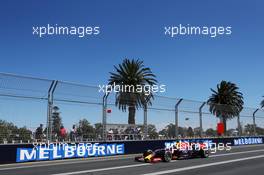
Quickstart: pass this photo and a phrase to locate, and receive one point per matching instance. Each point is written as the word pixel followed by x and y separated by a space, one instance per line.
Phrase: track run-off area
pixel 239 160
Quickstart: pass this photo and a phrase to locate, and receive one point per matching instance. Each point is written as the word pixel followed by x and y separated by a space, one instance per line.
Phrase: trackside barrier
pixel 13 153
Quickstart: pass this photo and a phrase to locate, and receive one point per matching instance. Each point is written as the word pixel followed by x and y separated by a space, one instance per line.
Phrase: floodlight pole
pixel 201 119
pixel 177 118
pixel 254 121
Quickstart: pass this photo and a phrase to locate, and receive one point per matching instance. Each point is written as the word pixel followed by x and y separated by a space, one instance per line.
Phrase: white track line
pixel 76 160
pixel 204 165
pixel 242 152
pixel 102 169
pixel 229 154
pixel 62 162
pixel 246 146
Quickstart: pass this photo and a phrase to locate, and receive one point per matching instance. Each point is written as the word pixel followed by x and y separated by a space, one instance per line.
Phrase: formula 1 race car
pixel 166 155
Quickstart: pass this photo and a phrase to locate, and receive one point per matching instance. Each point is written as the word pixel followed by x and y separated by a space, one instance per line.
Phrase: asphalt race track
pixel 240 160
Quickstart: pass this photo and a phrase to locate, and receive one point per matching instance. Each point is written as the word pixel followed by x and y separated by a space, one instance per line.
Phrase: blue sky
pixel 188 66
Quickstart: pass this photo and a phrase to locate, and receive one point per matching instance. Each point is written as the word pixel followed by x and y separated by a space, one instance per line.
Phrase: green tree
pixel 249 129
pixel 152 132
pixel 130 75
pixel 6 130
pixel 10 132
pixel 85 129
pixel 226 102
pixel 169 131
pixel 24 134
pixel 190 132
pixel 259 130
pixel 164 132
pixel 196 131
pixel 39 133
pixel 56 121
pixel 210 132
pixel 98 130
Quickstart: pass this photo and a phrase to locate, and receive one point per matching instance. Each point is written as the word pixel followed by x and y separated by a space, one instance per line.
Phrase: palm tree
pixel 226 102
pixel 130 75
pixel 262 103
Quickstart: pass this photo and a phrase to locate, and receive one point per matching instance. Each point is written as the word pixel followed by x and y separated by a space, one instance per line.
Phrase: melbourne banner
pixel 248 141
pixel 62 151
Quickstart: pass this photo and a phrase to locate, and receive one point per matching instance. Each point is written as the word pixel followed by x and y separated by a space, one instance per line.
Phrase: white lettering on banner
pixel 27 155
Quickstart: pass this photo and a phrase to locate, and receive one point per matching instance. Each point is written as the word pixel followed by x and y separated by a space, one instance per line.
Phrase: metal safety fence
pixel 34 109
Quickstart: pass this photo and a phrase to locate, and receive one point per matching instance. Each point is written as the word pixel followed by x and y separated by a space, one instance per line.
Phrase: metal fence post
pixel 238 125
pixel 49 113
pixel 177 118
pixel 254 121
pixel 104 116
pixel 145 122
pixel 201 119
pixel 52 94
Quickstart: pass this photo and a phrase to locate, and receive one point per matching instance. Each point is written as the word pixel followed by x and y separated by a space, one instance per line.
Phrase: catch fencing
pixel 28 102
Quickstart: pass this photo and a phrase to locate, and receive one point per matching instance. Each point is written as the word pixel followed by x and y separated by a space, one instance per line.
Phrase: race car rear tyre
pixel 204 154
pixel 167 157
